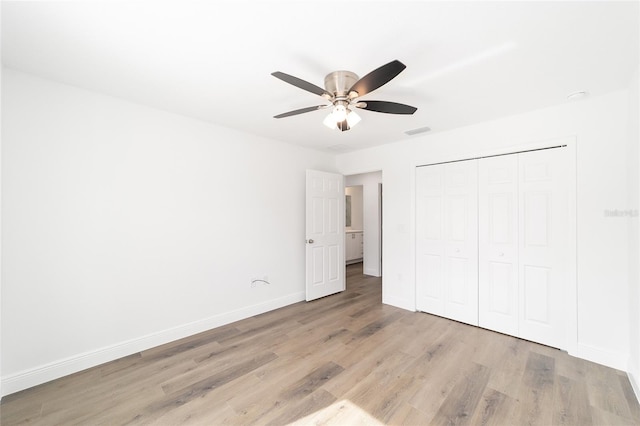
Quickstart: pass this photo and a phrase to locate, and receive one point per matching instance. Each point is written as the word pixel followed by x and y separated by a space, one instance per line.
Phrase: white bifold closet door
pixel 498 243
pixel 447 240
pixel 523 239
pixel 543 245
pixel 492 243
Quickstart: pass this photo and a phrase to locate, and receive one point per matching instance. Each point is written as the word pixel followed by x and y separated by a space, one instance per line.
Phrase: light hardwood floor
pixel 345 359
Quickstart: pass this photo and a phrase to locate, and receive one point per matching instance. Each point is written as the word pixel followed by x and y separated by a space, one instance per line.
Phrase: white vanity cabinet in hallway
pixel 354 246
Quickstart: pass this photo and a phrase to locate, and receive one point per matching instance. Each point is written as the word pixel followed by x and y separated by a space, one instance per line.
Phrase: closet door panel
pixel 498 243
pixel 461 224
pixel 544 220
pixel 446 241
pixel 430 239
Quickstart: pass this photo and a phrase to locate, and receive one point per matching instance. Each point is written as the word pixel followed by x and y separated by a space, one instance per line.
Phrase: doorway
pixel 364 192
pixel 354 229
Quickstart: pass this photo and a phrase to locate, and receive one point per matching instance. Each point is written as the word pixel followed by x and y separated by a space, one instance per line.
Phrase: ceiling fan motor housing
pixel 338 83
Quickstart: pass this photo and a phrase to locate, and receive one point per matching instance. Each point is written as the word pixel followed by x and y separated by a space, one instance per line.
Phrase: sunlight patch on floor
pixel 339 413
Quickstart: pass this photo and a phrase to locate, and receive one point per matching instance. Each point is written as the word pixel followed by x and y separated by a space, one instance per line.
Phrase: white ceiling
pixel 467 62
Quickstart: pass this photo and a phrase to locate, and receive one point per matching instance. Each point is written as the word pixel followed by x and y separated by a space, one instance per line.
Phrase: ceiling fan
pixel 342 90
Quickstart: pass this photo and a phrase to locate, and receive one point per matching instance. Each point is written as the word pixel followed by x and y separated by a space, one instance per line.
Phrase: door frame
pixel 367 216
pixel 571 291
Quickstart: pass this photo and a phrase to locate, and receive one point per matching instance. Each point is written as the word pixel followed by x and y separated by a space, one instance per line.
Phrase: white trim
pixel 0 246
pixel 634 385
pixel 571 295
pixel 617 360
pixel 405 304
pixel 371 272
pixel 413 258
pixel 63 367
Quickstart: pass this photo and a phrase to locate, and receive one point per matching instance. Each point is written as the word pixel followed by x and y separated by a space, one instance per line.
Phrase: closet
pixel 492 243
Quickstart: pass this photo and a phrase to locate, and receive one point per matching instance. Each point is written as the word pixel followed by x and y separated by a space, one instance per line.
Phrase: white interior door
pixel 498 243
pixel 447 240
pixel 325 216
pixel 543 255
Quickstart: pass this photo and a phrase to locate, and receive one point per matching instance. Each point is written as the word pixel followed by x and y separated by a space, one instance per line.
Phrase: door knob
pixel 310 241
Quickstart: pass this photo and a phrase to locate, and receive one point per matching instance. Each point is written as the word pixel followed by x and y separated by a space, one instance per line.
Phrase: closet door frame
pixel 567 143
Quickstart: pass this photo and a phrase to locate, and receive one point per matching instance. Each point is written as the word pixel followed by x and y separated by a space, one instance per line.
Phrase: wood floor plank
pixel 459 406
pixel 213 408
pixel 256 402
pixel 110 410
pixel 420 334
pixel 442 365
pixel 223 359
pixel 283 391
pixel 606 418
pixel 20 413
pixel 511 363
pixel 571 403
pixel 201 388
pixel 312 381
pixel 100 399
pixel 181 346
pixel 405 414
pixel 494 408
pixel 539 372
pixel 632 402
pixel 385 388
pixel 606 393
pixel 537 390
pixel 344 413
pixel 310 404
pixel 342 359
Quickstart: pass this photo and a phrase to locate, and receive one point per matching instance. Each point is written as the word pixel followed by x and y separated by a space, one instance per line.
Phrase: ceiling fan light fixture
pixel 330 122
pixel 339 112
pixel 353 118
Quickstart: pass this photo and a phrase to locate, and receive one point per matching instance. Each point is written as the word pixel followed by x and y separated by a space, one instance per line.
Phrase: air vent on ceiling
pixel 416 131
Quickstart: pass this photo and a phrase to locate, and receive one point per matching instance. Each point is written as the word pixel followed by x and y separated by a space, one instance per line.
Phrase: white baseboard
pixel 634 385
pixel 633 373
pixel 60 368
pixel 373 272
pixel 399 303
pixel 602 356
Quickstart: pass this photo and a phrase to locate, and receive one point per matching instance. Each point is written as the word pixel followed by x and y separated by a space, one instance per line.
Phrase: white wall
pixel 600 127
pixel 356 207
pixel 1 392
pixel 371 220
pixel 124 227
pixel 633 156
